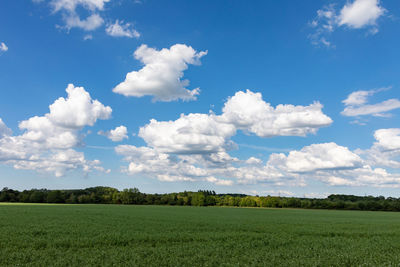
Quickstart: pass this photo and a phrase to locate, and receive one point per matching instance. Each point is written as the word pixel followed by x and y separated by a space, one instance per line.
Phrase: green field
pixel 78 235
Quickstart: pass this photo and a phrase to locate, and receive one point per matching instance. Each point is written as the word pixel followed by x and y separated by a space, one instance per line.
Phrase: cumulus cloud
pixel 193 133
pixel 316 157
pixel 353 15
pixel 335 165
pixel 162 73
pixel 388 139
pixel 247 111
pixel 330 163
pixel 78 109
pixel 360 13
pixel 3 47
pixel 209 133
pixel 47 142
pixel 165 167
pixel 118 29
pixel 356 104
pixel 385 152
pixel 118 134
pixel 194 147
pixel 218 168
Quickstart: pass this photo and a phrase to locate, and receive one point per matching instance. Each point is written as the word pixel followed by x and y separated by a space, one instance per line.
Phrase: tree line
pixel 109 195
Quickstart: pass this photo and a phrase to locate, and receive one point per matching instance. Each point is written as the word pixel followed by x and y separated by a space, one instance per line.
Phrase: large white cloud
pixel 356 104
pixel 315 157
pixel 335 165
pixel 162 73
pixel 77 110
pixel 330 163
pixel 209 133
pixel 247 111
pixel 193 133
pixel 356 14
pixel 194 147
pixel 47 142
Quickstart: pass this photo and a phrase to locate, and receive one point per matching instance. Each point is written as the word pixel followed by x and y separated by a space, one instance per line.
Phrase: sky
pixel 289 98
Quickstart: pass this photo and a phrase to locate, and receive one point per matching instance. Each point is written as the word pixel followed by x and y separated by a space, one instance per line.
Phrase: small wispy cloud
pixel 3 47
pixel 357 14
pixel 356 104
pixel 119 29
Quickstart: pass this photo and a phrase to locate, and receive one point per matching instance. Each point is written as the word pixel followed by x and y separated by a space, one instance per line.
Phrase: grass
pixel 113 235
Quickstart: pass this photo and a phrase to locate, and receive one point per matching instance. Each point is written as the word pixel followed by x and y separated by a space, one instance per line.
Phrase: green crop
pixel 113 235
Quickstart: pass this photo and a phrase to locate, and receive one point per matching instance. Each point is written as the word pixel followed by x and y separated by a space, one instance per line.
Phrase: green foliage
pixel 109 195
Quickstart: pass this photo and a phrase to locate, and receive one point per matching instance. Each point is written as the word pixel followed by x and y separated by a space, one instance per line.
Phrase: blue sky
pixel 321 115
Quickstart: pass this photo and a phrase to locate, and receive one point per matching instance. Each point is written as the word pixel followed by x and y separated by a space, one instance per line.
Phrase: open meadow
pixel 78 235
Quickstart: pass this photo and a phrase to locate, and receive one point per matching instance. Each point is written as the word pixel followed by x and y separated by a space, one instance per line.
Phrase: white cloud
pixel 327 162
pixel 165 167
pixel 194 147
pixel 162 73
pixel 58 163
pixel 209 133
pixel 253 161
pixel 335 165
pixel 72 19
pixel 360 13
pixel 71 5
pixel 358 97
pixel 326 156
pixel 4 130
pixel 118 29
pixel 385 152
pixel 118 134
pixel 247 111
pixel 365 176
pixel 356 104
pixel 88 37
pixel 354 15
pixel 47 142
pixel 388 139
pixel 78 110
pixel 377 110
pixel 193 133
pixel 89 24
pixel 3 47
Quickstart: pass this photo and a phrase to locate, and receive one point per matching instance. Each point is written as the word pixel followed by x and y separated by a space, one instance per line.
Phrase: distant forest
pixel 109 195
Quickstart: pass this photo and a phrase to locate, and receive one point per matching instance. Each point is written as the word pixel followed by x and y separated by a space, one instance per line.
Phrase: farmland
pixel 59 235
